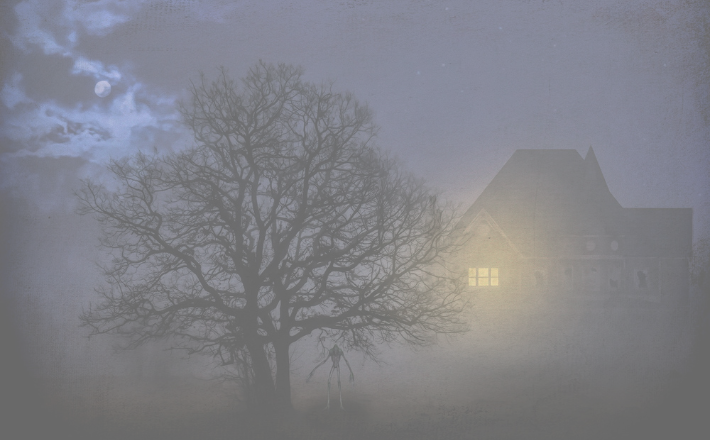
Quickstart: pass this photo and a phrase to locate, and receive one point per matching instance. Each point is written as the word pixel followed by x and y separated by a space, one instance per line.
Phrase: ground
pixel 556 369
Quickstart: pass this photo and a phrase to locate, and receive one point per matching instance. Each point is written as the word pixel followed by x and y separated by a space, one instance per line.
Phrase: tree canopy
pixel 283 220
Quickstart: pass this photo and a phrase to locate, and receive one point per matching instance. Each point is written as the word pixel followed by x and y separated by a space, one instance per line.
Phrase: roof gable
pixel 521 177
pixel 552 190
pixel 483 218
pixel 542 194
pixel 594 183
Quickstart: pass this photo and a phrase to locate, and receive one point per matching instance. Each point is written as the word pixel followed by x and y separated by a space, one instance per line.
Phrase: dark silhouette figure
pixel 335 354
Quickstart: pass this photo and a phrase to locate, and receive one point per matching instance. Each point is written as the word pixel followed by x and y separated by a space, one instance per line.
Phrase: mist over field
pixel 536 365
pixel 455 89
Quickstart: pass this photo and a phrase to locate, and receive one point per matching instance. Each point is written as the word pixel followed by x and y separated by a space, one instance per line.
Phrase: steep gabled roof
pixel 484 217
pixel 540 192
pixel 518 184
pixel 539 195
pixel 601 212
pixel 594 182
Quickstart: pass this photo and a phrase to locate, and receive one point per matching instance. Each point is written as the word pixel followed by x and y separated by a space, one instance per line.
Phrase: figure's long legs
pixel 339 391
pixel 327 406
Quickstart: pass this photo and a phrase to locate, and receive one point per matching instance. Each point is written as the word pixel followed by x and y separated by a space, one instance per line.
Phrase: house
pixel 548 221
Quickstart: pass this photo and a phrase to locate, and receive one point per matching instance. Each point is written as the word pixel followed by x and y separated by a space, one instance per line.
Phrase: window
pixel 483 276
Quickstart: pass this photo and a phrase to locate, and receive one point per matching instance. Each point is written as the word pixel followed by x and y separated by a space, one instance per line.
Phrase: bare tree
pixel 283 220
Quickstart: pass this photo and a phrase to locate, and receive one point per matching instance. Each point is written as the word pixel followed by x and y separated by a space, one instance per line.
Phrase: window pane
pixel 482 281
pixel 483 272
pixel 494 281
pixel 494 272
pixel 472 281
pixel 471 272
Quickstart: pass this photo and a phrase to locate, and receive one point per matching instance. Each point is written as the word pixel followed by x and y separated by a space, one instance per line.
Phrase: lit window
pixel 483 276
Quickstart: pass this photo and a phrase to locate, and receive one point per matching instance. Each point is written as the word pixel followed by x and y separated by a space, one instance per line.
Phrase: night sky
pixel 456 87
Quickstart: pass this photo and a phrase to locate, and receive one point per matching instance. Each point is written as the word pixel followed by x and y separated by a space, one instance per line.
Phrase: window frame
pixel 489 278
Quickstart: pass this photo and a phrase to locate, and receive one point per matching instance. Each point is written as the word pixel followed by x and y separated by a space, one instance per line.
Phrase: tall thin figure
pixel 334 354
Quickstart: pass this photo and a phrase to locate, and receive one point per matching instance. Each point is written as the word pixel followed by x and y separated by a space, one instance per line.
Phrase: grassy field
pixel 529 369
pixel 560 415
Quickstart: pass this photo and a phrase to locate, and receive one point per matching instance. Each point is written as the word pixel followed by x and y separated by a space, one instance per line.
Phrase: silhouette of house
pixel 548 221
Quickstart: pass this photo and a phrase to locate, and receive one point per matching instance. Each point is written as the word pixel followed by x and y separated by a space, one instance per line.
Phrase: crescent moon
pixel 102 89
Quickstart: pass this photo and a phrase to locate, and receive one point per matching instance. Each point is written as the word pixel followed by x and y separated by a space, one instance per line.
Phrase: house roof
pixel 543 194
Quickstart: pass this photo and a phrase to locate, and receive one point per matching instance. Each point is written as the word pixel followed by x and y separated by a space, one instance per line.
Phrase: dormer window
pixel 483 276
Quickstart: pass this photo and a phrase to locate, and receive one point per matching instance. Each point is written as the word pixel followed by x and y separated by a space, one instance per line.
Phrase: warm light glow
pixel 483 276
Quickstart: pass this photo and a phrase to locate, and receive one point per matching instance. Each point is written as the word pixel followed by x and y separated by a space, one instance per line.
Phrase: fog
pixel 533 365
pixel 456 89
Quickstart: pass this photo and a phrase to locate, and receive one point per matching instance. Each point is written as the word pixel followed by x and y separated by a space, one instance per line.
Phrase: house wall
pixel 642 276
pixel 601 271
pixel 485 247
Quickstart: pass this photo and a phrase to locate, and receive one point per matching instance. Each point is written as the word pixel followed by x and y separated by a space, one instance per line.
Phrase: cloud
pixel 98 18
pixel 130 119
pixel 30 30
pixel 12 92
pixel 121 124
pixel 54 25
pixel 95 68
pixel 56 28
pixel 133 120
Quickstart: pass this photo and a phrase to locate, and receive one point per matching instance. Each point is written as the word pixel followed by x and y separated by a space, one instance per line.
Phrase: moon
pixel 102 89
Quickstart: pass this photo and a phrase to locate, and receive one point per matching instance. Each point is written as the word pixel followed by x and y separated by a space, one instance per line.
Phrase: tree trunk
pixel 283 375
pixel 264 391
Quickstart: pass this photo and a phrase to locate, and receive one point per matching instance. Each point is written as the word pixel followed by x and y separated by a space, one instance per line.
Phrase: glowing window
pixel 483 276
pixel 472 276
